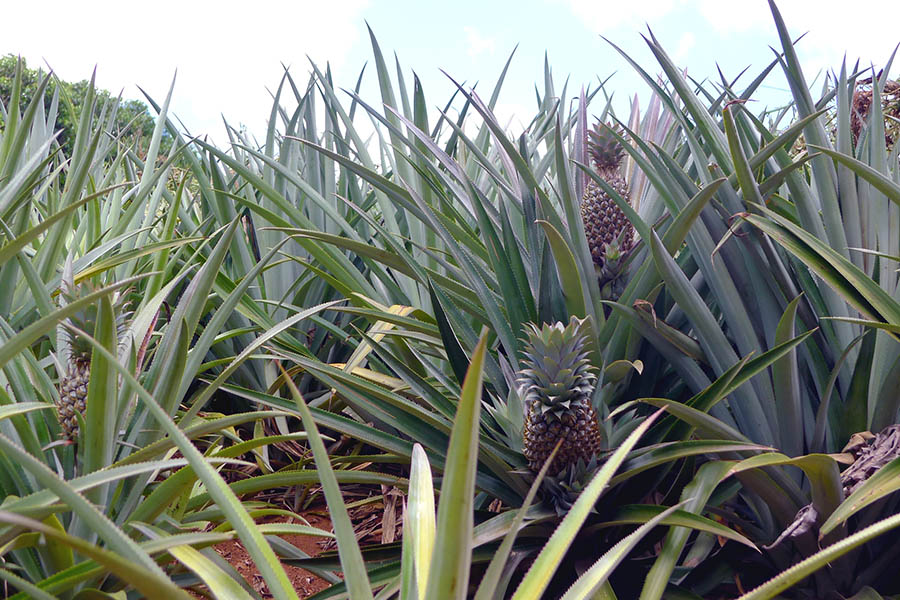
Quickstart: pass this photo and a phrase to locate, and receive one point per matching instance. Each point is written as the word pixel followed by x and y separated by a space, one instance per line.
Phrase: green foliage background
pixel 133 119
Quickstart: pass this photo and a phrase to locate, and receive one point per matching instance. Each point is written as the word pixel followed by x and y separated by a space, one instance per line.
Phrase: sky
pixel 229 55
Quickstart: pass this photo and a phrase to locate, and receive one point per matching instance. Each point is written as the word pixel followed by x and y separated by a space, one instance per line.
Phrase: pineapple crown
pixel 86 318
pixel 604 149
pixel 557 371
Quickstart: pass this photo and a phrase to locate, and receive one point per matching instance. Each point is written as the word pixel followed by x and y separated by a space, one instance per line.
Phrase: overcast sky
pixel 229 54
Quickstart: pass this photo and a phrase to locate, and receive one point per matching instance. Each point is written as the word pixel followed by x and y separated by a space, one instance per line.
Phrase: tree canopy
pixel 133 122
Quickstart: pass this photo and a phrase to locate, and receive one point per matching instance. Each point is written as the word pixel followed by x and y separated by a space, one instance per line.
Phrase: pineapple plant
pixel 556 385
pixel 73 385
pixel 610 234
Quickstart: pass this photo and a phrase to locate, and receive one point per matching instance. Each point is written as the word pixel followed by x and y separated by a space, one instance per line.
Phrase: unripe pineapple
pixel 557 384
pixel 73 385
pixel 73 390
pixel 561 491
pixel 610 234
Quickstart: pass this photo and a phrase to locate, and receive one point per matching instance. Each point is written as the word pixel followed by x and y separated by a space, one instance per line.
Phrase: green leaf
pixel 674 236
pixel 248 351
pixel 419 520
pixel 786 379
pixel 352 563
pixel 694 497
pixel 887 400
pixel 12 247
pixel 448 574
pixel 568 271
pixel 883 184
pixel 152 583
pixel 121 258
pixel 708 427
pixel 19 408
pixel 589 583
pixel 218 582
pixel 747 407
pixel 866 593
pixel 488 588
pixel 12 347
pixel 821 470
pixel 884 481
pixel 538 577
pixel 456 356
pixel 820 559
pixel 33 591
pixel 641 513
pixel 857 288
pixel 672 451
pixel 260 551
pixel 742 167
pixel 893 328
pixel 99 438
pixel 88 513
pixel 618 370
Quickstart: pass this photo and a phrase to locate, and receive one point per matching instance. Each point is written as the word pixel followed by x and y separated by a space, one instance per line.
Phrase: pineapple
pixel 561 491
pixel 557 384
pixel 73 385
pixel 610 234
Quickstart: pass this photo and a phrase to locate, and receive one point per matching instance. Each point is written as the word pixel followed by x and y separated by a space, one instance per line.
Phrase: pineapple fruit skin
pixel 73 392
pixel 74 383
pixel 557 384
pixel 604 222
pixel 609 233
pixel 577 428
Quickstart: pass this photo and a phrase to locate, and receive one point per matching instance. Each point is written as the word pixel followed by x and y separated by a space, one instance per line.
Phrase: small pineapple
pixel 73 385
pixel 610 234
pixel 557 384
pixel 561 491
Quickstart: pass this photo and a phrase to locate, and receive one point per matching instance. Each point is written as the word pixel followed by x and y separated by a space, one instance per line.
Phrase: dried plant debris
pixel 890 105
pixel 871 452
pixel 870 457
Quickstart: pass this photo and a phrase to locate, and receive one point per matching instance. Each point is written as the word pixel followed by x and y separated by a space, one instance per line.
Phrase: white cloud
pixel 683 47
pixel 605 16
pixel 226 53
pixel 513 116
pixel 478 44
pixel 864 29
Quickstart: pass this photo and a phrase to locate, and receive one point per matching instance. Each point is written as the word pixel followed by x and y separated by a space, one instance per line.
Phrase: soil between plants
pixel 305 583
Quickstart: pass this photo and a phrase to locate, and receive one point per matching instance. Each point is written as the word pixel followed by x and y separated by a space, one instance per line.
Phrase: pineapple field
pixel 390 351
